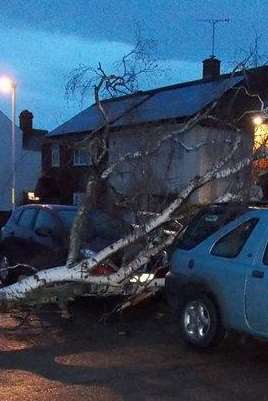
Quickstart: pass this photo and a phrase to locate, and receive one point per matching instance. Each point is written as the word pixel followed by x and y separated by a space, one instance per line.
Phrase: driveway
pixel 138 357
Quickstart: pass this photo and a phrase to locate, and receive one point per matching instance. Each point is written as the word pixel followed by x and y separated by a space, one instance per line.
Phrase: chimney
pixel 211 68
pixel 26 121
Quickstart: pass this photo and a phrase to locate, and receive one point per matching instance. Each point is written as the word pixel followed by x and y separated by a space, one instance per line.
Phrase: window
pixel 46 220
pixel 55 155
pixel 232 243
pixel 81 157
pixel 204 224
pixel 16 215
pixel 78 198
pixel 265 257
pixel 67 217
pixel 108 227
pixel 31 196
pixel 260 136
pixel 26 218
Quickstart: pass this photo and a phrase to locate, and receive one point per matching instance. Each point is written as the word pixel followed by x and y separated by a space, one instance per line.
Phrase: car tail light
pixel 102 270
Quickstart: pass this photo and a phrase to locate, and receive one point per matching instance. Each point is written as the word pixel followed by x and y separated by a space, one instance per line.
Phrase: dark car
pixel 38 235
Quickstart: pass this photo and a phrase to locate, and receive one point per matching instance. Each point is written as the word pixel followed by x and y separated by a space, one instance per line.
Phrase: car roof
pixel 48 206
pixel 232 209
pixel 262 206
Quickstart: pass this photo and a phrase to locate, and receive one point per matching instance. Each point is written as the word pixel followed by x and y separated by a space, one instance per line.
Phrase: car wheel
pixel 200 322
pixel 11 276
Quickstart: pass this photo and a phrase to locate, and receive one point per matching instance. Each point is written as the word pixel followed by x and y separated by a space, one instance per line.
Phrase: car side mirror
pixel 43 232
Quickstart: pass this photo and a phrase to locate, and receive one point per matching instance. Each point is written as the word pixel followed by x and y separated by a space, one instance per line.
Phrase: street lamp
pixel 7 85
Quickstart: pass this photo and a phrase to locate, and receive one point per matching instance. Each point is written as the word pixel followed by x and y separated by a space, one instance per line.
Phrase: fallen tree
pixel 81 272
pixel 153 236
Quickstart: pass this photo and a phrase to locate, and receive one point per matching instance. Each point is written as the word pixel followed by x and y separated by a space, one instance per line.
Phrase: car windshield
pixel 205 224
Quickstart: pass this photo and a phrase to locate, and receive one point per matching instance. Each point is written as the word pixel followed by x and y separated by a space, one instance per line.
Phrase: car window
pixel 265 257
pixel 108 227
pixel 26 218
pixel 99 224
pixel 231 244
pixel 46 220
pixel 206 223
pixel 16 215
pixel 67 217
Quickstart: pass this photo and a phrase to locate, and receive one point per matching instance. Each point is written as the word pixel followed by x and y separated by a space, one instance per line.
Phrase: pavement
pixel 138 356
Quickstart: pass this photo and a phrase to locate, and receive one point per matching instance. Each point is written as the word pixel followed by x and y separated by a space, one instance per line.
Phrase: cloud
pixel 41 61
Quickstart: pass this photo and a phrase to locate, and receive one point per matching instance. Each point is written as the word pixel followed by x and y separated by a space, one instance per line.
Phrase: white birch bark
pixel 80 272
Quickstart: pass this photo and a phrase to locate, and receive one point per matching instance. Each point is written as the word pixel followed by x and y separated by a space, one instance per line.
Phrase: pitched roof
pixel 170 102
pixel 91 118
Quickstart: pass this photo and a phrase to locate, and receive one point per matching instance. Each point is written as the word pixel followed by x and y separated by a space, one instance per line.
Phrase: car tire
pixel 200 322
pixel 14 256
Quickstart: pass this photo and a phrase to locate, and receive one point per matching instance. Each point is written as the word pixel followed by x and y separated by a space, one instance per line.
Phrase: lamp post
pixel 9 86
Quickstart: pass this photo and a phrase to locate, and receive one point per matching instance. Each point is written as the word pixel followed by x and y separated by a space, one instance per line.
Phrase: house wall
pixel 70 179
pixel 162 175
pixel 28 171
pixel 28 166
pixel 171 168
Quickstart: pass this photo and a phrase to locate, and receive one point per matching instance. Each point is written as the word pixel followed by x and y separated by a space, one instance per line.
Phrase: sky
pixel 43 40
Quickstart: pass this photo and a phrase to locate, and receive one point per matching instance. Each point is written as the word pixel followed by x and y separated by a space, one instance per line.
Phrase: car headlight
pixel 142 278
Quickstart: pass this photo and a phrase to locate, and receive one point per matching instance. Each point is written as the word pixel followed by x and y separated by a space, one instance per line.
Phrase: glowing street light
pixel 7 85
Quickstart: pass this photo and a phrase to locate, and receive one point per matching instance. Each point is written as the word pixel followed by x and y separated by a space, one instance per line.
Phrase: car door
pixel 230 257
pixel 256 289
pixel 48 239
pixel 23 231
pixel 18 236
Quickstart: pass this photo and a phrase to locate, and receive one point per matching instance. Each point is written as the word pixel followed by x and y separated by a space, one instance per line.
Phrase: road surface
pixel 139 357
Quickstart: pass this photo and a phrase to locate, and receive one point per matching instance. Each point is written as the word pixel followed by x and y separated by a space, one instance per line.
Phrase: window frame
pixel 78 198
pixel 55 155
pixel 254 221
pixel 263 256
pixel 15 216
pixel 188 240
pixel 33 218
pixel 53 218
pixel 77 158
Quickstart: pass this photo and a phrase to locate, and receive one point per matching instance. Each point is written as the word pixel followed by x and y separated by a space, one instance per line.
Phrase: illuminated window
pixel 31 196
pixel 261 145
pixel 261 136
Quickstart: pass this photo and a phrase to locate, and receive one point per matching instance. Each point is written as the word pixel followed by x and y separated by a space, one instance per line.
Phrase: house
pixel 27 160
pixel 139 120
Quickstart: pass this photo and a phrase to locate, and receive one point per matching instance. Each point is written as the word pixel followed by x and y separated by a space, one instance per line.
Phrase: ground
pixel 138 357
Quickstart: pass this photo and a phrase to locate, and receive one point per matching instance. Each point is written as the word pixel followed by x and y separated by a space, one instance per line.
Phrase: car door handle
pixel 257 274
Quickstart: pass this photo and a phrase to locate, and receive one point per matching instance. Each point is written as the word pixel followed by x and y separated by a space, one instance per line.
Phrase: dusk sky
pixel 43 40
